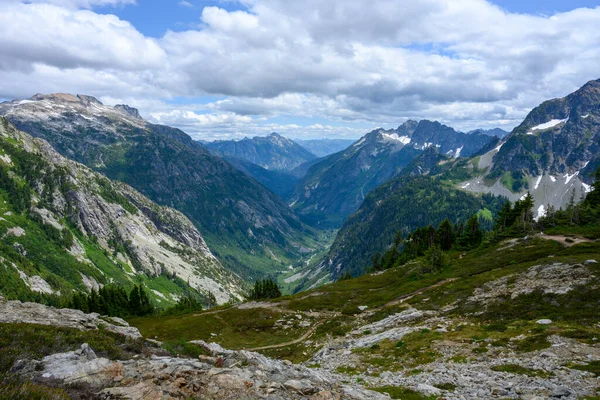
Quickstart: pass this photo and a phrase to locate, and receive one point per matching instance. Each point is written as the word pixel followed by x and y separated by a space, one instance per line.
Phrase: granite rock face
pixel 35 313
pixel 155 239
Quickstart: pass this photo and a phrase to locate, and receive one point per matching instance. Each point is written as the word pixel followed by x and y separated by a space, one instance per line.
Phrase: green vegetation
pixel 518 369
pixel 398 392
pixel 592 366
pixel 16 389
pixel 265 289
pixel 431 244
pixel 27 341
pixel 113 301
pixel 404 205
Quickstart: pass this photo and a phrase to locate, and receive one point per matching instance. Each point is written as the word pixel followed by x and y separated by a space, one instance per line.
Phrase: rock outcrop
pixel 35 313
pixel 226 375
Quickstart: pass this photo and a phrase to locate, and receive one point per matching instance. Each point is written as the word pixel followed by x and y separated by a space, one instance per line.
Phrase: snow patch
pixel 394 136
pixel 466 185
pixel 586 187
pixel 457 153
pixel 585 116
pixel 159 294
pixel 553 179
pixel 361 141
pixel 550 124
pixel 541 212
pixel 569 177
pixel 537 183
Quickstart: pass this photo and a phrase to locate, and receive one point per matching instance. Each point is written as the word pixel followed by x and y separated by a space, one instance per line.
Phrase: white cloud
pixel 81 3
pixel 45 34
pixel 359 63
pixel 185 3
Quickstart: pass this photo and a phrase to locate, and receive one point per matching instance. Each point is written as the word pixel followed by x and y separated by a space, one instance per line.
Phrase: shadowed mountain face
pixel 335 187
pixel 273 152
pixel 245 225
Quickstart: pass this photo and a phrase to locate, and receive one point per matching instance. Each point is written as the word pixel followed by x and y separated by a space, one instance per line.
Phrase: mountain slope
pixel 402 204
pixel 279 182
pixel 65 227
pixel 336 186
pixel 552 154
pixel 273 152
pixel 324 147
pixel 500 133
pixel 246 226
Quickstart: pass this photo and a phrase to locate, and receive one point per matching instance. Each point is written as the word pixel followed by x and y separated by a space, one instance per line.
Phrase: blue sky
pixel 306 69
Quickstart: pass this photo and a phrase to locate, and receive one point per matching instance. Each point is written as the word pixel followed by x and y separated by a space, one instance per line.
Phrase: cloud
pixel 80 3
pixel 185 3
pixel 356 63
pixel 32 34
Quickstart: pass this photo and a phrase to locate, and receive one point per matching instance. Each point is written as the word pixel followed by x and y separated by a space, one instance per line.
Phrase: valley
pixel 419 262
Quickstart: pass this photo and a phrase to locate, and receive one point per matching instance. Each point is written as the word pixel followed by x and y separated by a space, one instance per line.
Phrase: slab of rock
pixel 34 313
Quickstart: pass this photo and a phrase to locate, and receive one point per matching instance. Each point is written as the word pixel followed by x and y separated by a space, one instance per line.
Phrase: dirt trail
pixel 408 296
pixel 291 342
pixel 563 239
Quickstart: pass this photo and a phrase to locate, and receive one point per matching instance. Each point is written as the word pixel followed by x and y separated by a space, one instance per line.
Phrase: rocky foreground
pixel 437 353
pixel 223 374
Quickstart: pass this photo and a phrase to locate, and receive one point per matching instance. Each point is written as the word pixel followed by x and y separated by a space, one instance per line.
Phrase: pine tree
pixel 472 234
pixel 503 219
pixel 593 198
pixel 446 235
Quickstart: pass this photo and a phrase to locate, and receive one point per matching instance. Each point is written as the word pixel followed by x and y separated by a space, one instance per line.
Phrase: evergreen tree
pixel 503 221
pixel 472 234
pixel 593 198
pixel 265 289
pixel 446 235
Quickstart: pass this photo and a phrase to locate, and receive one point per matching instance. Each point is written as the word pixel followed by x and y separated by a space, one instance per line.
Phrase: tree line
pixel 114 301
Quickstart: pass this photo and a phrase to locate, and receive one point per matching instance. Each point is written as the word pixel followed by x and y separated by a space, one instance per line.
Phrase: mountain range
pixel 247 227
pixel 273 152
pixel 65 227
pixel 551 155
pixel 368 189
pixel 334 187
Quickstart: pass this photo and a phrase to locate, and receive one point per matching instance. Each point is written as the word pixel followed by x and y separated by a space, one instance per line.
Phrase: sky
pixel 222 69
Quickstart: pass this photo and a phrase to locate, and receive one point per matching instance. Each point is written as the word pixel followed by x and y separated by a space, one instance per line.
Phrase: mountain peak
pixel 66 98
pixel 130 111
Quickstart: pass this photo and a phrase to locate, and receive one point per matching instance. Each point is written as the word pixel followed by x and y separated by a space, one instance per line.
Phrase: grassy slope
pixel 335 306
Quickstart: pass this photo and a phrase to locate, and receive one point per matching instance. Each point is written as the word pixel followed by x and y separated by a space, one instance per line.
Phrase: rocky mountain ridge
pixel 552 154
pixel 273 152
pixel 137 236
pixel 336 186
pixel 246 226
